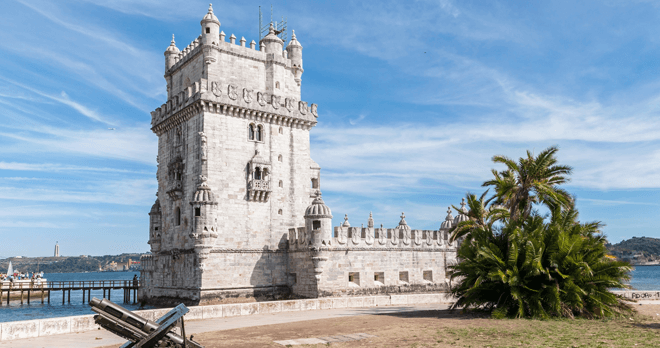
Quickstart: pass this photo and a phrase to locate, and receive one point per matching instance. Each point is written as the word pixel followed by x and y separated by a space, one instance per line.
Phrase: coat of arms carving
pixel 231 92
pixel 215 89
pixel 247 95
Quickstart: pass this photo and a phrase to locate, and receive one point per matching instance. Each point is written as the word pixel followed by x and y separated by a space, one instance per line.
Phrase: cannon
pixel 139 331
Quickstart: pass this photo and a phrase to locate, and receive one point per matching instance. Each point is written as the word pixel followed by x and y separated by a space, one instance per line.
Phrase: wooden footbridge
pixel 25 290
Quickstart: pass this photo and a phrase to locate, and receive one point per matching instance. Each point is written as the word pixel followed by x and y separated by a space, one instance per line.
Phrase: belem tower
pixel 239 209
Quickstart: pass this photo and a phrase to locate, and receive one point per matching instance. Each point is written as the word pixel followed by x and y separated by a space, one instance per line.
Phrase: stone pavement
pixel 102 338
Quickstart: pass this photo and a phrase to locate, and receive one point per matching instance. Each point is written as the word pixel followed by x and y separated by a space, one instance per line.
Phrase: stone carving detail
pixel 261 99
pixel 302 107
pixel 355 236
pixel 203 146
pixel 247 95
pixel 288 103
pixel 382 238
pixel 429 238
pixel 418 238
pixel 215 88
pixel 395 237
pixel 231 92
pixel 314 111
pixel 369 238
pixel 275 101
pixel 341 236
pixel 319 263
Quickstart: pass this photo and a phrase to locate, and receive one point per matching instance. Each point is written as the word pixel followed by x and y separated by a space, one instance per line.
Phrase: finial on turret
pixel 210 8
pixel 449 216
pixel 370 222
pixel 293 35
pixel 403 219
pixel 173 43
pixel 271 29
pixel 346 223
pixel 463 209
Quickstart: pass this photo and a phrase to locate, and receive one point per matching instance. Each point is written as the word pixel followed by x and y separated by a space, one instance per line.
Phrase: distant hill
pixel 638 250
pixel 71 264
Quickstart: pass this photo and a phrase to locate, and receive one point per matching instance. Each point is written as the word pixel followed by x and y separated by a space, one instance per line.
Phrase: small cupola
pixel 403 225
pixel 318 209
pixel 462 214
pixel 210 28
pixel 171 54
pixel 449 220
pixel 294 49
pixel 272 42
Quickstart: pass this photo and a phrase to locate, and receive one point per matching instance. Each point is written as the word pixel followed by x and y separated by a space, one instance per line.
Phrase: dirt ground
pixel 446 329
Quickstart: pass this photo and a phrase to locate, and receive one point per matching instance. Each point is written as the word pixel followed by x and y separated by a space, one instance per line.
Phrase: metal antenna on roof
pixel 280 28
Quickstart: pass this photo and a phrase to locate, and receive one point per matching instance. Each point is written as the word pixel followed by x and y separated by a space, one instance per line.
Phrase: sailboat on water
pixel 10 270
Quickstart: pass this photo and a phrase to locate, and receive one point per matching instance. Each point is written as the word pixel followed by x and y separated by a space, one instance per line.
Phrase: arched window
pixel 281 184
pixel 279 158
pixel 177 216
pixel 277 84
pixel 264 174
pixel 279 211
pixel 257 174
pixel 281 131
pixel 259 132
pixel 251 132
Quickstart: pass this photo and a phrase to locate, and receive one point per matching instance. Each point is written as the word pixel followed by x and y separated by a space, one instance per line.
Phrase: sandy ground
pixel 442 328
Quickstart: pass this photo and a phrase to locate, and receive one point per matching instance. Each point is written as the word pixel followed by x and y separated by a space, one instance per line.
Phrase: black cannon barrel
pixel 135 320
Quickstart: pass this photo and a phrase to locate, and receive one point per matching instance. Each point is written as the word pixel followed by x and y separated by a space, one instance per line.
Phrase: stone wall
pixel 54 326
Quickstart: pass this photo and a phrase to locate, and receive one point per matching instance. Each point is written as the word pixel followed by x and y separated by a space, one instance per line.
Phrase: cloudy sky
pixel 415 97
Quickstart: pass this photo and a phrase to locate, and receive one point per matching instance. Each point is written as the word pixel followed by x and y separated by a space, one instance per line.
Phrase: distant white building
pixel 57 250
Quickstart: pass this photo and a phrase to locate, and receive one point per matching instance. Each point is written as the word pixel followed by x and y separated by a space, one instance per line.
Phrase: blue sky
pixel 414 98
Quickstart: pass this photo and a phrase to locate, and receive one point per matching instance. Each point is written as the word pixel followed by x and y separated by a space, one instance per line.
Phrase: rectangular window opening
pixel 198 211
pixel 428 276
pixel 354 279
pixel 379 278
pixel 403 277
pixel 316 224
pixel 208 30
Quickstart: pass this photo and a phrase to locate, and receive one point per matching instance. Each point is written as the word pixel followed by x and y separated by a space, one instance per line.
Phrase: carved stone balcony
pixel 175 190
pixel 259 190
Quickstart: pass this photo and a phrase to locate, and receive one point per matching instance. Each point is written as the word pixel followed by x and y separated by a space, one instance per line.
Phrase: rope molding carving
pixel 248 251
pixel 197 104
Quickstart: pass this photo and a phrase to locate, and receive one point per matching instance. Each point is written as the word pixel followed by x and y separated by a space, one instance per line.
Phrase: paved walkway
pixel 100 338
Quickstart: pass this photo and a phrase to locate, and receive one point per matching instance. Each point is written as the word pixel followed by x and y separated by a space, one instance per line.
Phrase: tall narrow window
pixel 277 84
pixel 257 174
pixel 208 30
pixel 259 133
pixel 251 132
pixel 198 212
pixel 177 216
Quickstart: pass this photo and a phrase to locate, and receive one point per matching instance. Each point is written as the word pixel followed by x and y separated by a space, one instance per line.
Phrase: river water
pixel 643 278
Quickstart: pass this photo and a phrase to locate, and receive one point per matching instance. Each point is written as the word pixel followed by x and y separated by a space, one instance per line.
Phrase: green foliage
pixel 517 263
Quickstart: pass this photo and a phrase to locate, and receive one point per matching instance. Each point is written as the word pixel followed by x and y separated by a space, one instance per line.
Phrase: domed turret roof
pixel 294 42
pixel 172 49
pixel 210 17
pixel 318 208
pixel 272 37
pixel 403 225
pixel 462 214
pixel 203 193
pixel 155 209
pixel 448 223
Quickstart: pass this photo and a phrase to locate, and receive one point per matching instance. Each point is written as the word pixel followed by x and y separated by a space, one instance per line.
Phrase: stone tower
pixel 234 168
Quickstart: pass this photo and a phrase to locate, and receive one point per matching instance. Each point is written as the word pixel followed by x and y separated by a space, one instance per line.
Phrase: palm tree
pixel 532 180
pixel 529 265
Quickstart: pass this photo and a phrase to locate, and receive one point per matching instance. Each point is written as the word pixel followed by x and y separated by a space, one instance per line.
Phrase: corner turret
pixel 318 222
pixel 210 28
pixel 271 42
pixel 294 50
pixel 171 53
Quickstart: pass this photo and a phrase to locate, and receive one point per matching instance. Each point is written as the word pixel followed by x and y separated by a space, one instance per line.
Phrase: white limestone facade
pixel 239 210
